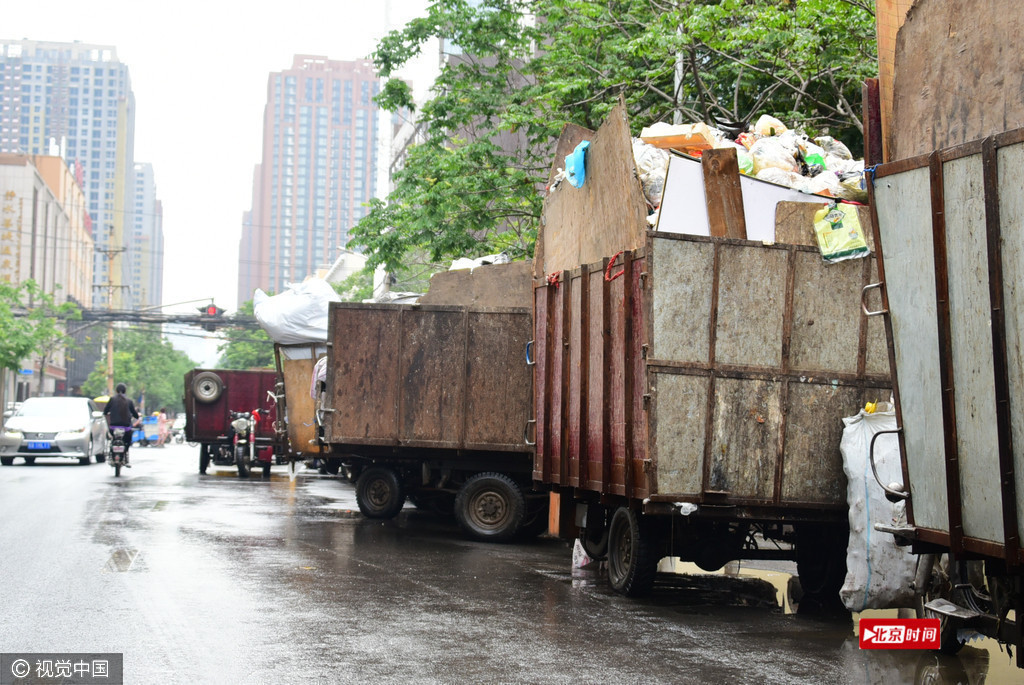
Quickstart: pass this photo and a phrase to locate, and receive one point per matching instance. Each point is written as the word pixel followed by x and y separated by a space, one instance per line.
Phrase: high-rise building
pixel 319 167
pixel 78 99
pixel 146 248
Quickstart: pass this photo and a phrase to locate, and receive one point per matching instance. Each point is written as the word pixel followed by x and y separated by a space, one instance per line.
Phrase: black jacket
pixel 120 411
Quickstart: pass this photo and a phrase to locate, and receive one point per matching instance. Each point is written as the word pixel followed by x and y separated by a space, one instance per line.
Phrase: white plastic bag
pixel 297 315
pixel 879 575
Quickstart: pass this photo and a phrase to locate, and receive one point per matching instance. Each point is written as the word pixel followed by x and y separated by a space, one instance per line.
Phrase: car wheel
pixel 204 459
pixel 490 507
pixel 84 461
pixel 30 460
pixel 207 387
pixel 6 461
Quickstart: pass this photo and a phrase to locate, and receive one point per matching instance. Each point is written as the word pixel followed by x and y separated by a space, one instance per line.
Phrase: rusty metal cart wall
pixel 424 398
pixel 950 232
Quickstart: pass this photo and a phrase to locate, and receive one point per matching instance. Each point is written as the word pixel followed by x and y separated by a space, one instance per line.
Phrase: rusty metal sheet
pixel 596 425
pixel 541 382
pixel 744 439
pixel 243 390
pixel 579 374
pixel 363 377
pixel 615 368
pixel 972 352
pixel 751 305
pixel 498 379
pixel 1011 214
pixel 678 418
pixel 812 469
pixel 903 203
pixel 433 378
pixel 682 306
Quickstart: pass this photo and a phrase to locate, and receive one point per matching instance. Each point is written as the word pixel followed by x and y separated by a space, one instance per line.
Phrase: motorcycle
pixel 117 448
pixel 244 424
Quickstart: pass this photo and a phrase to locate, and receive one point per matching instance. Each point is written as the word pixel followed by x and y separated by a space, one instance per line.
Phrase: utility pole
pixel 111 253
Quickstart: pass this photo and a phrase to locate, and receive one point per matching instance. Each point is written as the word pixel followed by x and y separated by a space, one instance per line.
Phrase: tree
pixel 472 187
pixel 244 348
pixel 31 322
pixel 151 368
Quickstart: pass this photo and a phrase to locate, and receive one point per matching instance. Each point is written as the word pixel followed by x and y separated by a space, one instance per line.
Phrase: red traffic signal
pixel 211 310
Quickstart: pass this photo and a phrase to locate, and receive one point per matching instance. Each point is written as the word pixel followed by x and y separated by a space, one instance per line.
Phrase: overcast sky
pixel 199 72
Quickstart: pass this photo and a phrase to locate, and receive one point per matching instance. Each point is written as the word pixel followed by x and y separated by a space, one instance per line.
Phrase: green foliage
pixel 148 365
pixel 31 322
pixel 471 187
pixel 355 288
pixel 246 349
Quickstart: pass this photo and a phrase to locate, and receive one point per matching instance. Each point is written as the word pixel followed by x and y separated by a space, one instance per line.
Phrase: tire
pixel 207 387
pixel 266 470
pixel 821 567
pixel 117 470
pixel 632 560
pixel 594 537
pixel 490 507
pixel 30 460
pixel 6 461
pixel 204 459
pixel 379 493
pixel 84 461
pixel 242 461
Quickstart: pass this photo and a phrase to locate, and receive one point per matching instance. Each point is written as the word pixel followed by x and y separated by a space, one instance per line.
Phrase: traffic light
pixel 211 311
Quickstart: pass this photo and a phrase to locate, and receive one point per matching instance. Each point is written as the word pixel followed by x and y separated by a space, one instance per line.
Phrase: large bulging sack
pixel 297 315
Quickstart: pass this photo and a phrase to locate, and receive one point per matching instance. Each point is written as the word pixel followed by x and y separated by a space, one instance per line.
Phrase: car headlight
pixel 73 434
pixel 13 434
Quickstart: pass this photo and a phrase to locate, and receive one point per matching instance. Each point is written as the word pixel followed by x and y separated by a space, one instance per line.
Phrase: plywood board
pixel 491 285
pixel 812 469
pixel 825 311
pixel 681 308
pixel 957 74
pixel 433 381
pixel 498 380
pixel 678 419
pixel 970 312
pixel 751 306
pixel 794 222
pixel 903 202
pixel 606 215
pixel 745 438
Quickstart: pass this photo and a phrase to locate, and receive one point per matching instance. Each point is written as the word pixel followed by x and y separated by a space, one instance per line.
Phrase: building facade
pixel 43 237
pixel 78 99
pixel 319 167
pixel 146 247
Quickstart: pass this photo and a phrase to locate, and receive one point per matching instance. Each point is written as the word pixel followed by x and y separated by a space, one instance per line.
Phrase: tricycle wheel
pixel 490 507
pixel 821 566
pixel 379 493
pixel 242 461
pixel 632 559
pixel 204 458
pixel 266 470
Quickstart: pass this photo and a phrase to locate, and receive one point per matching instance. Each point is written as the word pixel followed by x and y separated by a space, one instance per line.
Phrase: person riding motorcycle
pixel 120 412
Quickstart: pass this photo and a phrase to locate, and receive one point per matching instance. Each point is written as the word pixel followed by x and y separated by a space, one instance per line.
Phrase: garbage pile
pixel 769 151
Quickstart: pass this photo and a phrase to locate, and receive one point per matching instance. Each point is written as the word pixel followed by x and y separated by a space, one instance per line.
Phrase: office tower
pixel 146 249
pixel 318 168
pixel 78 99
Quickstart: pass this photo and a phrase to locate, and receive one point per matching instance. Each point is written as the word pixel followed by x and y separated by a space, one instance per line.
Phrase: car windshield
pixel 51 407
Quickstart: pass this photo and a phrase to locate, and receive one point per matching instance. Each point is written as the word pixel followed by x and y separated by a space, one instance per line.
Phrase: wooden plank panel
pixel 751 306
pixel 598 464
pixel 364 376
pixel 722 193
pixel 683 270
pixel 812 470
pixel 903 203
pixel 678 416
pixel 616 369
pixel 972 352
pixel 1011 215
pixel 498 379
pixel 826 315
pixel 301 423
pixel 433 371
pixel 745 435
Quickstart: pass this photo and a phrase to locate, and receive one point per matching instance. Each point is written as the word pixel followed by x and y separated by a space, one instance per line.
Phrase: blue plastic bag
pixel 576 165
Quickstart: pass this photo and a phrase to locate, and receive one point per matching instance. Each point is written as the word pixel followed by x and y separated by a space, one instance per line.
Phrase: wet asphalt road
pixel 209 579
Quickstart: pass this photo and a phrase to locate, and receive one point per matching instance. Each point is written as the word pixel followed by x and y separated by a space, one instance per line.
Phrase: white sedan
pixel 63 427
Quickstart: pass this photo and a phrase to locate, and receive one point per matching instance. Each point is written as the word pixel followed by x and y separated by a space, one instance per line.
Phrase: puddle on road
pixel 125 561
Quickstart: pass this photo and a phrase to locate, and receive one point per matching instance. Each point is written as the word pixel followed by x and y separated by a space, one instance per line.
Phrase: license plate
pixel 38 445
pixel 117 448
